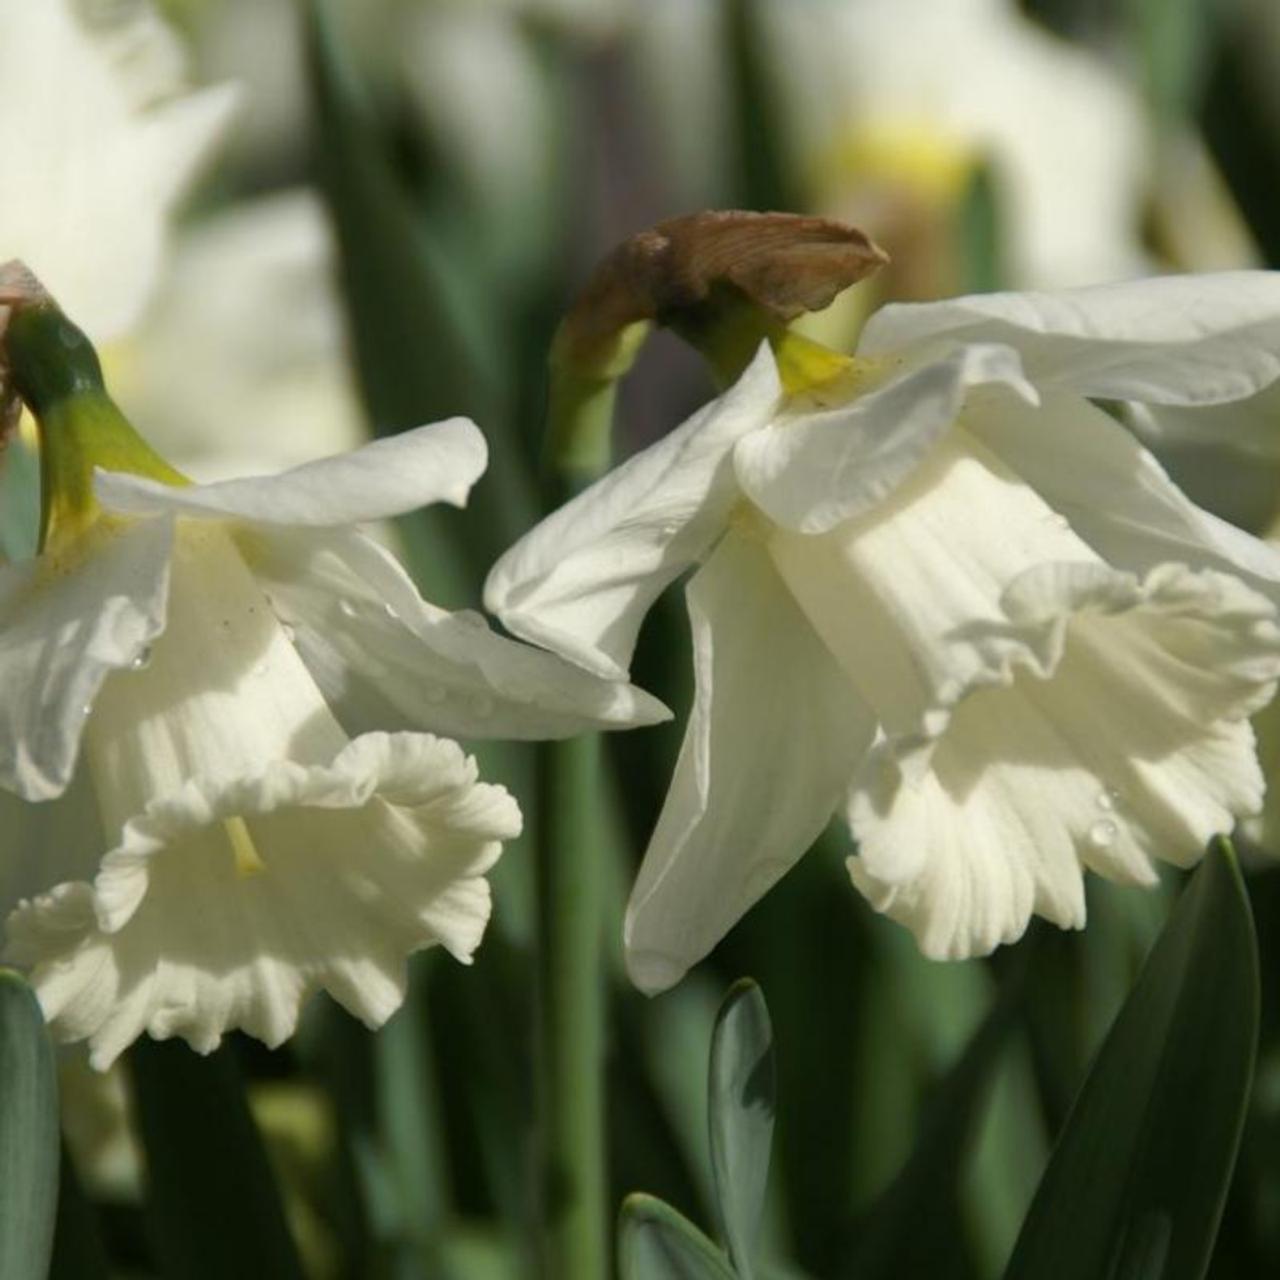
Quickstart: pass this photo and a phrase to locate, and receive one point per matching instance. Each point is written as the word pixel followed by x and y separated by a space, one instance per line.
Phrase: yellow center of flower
pixel 248 861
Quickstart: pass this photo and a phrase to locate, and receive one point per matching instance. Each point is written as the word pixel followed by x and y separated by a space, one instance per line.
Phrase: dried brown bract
pixel 783 263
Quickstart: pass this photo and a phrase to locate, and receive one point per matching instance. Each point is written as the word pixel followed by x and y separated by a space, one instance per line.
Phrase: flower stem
pixel 571 1012
pixel 570 851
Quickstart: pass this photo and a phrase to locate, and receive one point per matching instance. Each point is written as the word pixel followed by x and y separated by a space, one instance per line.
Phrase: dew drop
pixel 1107 800
pixel 1102 834
pixel 390 612
pixel 141 658
pixel 87 709
pixel 346 608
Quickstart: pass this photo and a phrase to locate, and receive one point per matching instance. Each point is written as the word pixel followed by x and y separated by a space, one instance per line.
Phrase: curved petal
pixel 581 581
pixel 225 906
pixel 1251 426
pixel 67 621
pixel 384 656
pixel 908 596
pixel 436 463
pixel 773 739
pixel 1129 745
pixel 811 472
pixel 1196 339
pixel 1116 496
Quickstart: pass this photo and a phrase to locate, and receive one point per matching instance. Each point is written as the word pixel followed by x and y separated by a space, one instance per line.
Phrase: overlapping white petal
pixel 581 581
pixel 66 622
pixel 436 463
pixel 734 823
pixel 384 656
pixel 822 468
pixel 363 861
pixel 1176 340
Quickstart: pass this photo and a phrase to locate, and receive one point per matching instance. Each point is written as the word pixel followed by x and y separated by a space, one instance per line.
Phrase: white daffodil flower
pixel 199 840
pixel 948 595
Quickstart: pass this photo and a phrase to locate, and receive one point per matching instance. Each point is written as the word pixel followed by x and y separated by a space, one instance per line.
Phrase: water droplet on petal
pixel 1107 800
pixel 390 612
pixel 141 658
pixel 346 608
pixel 87 709
pixel 1102 834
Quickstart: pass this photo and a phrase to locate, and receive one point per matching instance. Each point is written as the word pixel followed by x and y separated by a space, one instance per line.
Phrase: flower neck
pixel 54 368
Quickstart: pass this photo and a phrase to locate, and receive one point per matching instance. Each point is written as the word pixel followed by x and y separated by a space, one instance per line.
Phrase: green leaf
pixel 891 1243
pixel 422 350
pixel 215 1208
pixel 979 232
pixel 741 1094
pixel 657 1243
pixel 28 1134
pixel 1136 1184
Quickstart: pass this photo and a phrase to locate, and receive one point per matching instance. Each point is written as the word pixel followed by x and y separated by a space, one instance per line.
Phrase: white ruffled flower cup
pixel 948 596
pixel 200 827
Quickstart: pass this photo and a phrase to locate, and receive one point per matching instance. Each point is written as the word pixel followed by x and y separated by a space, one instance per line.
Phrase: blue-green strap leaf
pixel 742 1100
pixel 657 1243
pixel 1136 1184
pixel 28 1134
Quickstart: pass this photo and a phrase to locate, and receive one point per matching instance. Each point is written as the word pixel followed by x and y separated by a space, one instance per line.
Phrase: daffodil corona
pixel 197 838
pixel 945 594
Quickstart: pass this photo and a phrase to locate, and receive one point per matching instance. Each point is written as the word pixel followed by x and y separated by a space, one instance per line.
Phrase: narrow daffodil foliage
pixel 211 801
pixel 948 596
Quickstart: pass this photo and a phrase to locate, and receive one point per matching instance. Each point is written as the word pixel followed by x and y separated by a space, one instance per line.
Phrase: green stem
pixel 571 874
pixel 571 1012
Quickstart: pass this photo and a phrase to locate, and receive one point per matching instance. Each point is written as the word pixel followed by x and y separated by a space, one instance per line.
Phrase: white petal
pixel 812 471
pixel 435 463
pixel 1173 340
pixel 908 596
pixel 359 864
pixel 1130 745
pixel 773 738
pixel 582 580
pixel 384 656
pixel 66 622
pixel 1115 494
pixel 1252 426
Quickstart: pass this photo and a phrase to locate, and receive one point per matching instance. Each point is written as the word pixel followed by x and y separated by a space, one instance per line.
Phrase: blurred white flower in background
pixel 948 595
pixel 239 365
pixel 891 104
pixel 100 141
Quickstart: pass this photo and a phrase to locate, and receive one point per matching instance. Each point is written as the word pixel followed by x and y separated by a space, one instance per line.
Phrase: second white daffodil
pixel 947 595
pixel 197 837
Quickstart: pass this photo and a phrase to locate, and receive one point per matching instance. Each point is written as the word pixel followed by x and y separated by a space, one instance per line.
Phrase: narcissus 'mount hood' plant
pixel 198 837
pixel 943 593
